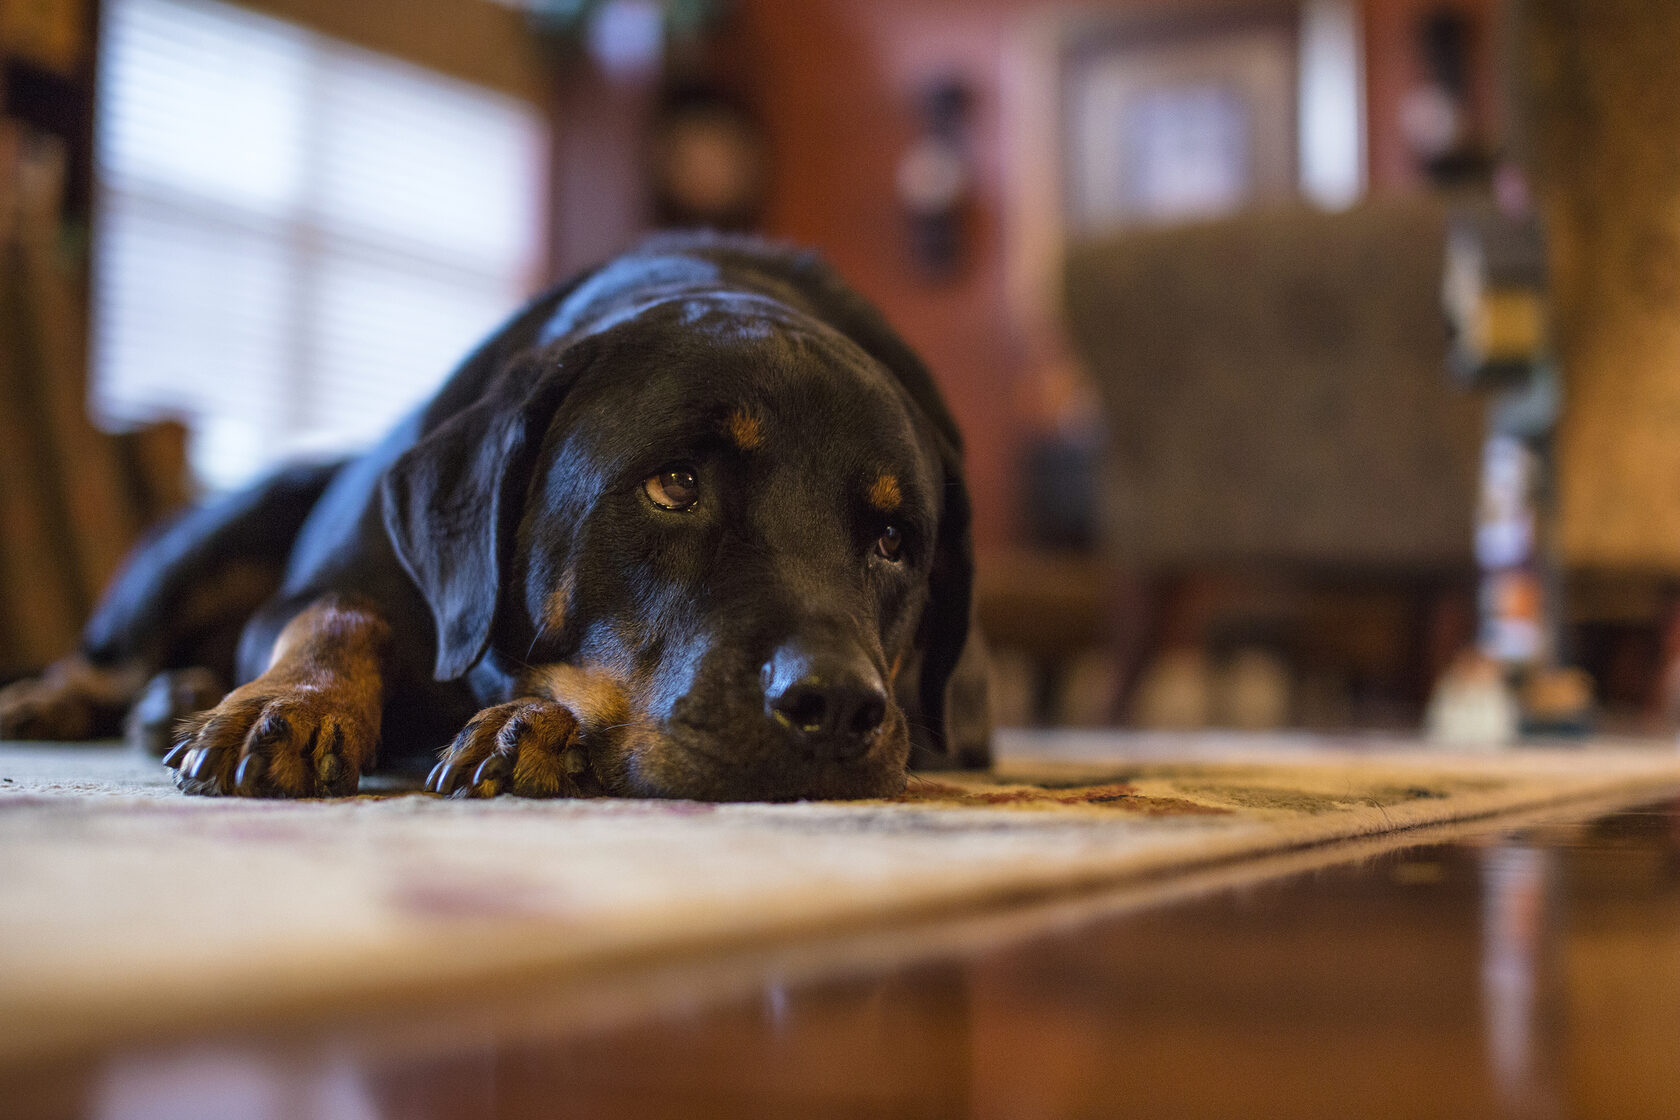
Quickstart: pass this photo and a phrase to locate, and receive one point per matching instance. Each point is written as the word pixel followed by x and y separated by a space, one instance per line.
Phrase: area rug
pixel 126 908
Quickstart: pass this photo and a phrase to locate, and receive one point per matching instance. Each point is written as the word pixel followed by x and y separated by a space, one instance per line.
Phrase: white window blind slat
pixel 380 170
pixel 205 98
pixel 192 315
pixel 296 239
pixel 375 329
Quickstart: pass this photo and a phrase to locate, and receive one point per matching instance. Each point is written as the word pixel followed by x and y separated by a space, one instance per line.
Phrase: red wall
pixel 1392 67
pixel 837 83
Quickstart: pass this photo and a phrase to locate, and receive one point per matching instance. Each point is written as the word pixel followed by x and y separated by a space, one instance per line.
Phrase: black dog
pixel 692 525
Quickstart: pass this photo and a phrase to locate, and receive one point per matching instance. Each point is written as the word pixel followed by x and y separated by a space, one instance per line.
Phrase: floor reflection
pixel 1519 923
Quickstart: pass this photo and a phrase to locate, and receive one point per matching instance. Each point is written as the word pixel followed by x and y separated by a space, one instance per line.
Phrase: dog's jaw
pixel 645 761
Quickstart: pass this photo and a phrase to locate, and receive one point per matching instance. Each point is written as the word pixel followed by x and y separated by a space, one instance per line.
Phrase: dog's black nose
pixel 830 704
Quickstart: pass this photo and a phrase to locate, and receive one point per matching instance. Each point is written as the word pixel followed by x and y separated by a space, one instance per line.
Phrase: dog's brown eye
pixel 890 543
pixel 675 488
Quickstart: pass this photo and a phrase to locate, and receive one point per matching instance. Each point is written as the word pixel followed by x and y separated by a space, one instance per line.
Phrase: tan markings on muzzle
pixel 745 430
pixel 595 699
pixel 884 494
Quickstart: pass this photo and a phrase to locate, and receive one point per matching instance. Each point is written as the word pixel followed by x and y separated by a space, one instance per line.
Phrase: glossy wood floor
pixel 1511 973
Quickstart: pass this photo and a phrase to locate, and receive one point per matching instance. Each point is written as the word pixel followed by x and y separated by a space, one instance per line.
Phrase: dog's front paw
pixel 526 747
pixel 273 742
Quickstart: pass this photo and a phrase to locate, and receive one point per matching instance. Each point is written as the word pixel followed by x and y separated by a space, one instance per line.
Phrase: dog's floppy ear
pixel 944 634
pixel 452 503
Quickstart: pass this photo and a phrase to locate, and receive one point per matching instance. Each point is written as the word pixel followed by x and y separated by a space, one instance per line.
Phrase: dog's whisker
pixel 535 638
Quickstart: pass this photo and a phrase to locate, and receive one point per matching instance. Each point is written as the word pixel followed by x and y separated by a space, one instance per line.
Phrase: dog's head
pixel 721 532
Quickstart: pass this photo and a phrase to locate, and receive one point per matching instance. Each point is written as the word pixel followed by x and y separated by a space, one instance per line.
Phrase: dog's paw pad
pixel 270 745
pixel 528 748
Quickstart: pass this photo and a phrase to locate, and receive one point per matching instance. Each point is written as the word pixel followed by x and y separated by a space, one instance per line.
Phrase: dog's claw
pixel 251 770
pixel 206 766
pixel 449 778
pixel 489 774
pixel 175 754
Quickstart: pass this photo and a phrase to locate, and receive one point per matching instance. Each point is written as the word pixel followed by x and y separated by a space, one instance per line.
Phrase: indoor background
pixel 1316 360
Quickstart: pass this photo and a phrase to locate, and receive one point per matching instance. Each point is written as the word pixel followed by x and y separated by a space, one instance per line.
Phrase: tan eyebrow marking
pixel 884 493
pixel 745 430
pixel 554 607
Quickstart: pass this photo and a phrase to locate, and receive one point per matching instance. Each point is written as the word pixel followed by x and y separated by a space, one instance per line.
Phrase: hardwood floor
pixel 1510 973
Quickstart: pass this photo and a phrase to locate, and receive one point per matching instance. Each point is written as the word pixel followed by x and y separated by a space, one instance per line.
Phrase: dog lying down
pixel 691 525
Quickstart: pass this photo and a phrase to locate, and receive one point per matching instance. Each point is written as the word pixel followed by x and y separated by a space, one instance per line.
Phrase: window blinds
pixel 296 239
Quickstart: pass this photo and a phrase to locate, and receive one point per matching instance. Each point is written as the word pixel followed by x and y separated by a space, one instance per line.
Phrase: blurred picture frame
pixel 1169 114
pixel 1185 117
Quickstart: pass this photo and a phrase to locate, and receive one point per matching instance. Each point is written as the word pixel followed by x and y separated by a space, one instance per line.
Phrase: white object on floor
pixel 1472 706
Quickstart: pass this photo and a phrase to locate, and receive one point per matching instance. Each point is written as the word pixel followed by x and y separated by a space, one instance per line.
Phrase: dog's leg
pixel 534 746
pixel 178 602
pixel 309 726
pixel 72 699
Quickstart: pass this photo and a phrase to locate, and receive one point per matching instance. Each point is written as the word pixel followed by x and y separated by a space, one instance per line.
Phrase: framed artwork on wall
pixel 1185 117
pixel 1169 114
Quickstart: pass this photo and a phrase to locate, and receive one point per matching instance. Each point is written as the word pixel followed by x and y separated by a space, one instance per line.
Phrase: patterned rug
pixel 127 909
